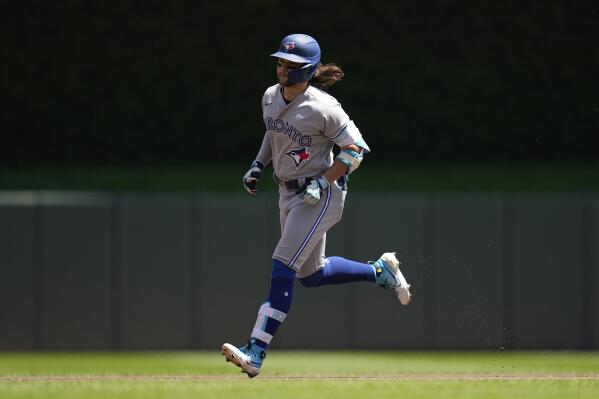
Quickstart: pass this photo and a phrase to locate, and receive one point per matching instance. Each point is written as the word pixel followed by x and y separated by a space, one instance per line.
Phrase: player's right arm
pixel 252 176
pixel 265 153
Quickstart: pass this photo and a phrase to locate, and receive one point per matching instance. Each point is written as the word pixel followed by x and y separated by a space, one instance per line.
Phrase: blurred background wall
pixel 180 82
pixel 190 271
pixel 135 86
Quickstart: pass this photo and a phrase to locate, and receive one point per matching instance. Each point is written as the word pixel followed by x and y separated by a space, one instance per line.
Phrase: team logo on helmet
pixel 299 155
pixel 288 46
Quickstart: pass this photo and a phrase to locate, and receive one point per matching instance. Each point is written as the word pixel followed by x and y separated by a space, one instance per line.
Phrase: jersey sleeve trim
pixel 340 132
pixel 351 135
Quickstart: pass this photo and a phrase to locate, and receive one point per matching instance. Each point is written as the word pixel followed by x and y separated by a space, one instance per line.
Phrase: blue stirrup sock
pixel 272 313
pixel 338 270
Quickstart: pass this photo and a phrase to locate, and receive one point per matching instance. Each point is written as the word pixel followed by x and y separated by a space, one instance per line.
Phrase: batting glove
pixel 313 190
pixel 250 179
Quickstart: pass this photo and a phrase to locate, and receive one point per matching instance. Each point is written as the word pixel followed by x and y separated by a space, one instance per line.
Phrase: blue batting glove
pixel 251 178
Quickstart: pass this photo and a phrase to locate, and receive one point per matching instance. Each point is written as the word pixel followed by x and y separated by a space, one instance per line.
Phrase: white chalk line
pixel 220 377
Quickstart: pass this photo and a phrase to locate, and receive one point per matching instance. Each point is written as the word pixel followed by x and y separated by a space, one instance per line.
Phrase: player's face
pixel 284 66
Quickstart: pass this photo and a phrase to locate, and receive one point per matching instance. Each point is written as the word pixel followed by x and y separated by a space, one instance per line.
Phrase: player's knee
pixel 313 280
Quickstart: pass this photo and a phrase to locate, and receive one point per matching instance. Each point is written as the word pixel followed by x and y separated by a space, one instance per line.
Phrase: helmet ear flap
pixel 302 74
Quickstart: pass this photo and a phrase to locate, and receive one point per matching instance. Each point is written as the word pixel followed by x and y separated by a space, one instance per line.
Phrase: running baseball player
pixel 303 123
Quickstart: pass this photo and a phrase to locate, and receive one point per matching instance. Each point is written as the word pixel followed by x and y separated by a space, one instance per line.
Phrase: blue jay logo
pixel 288 46
pixel 299 155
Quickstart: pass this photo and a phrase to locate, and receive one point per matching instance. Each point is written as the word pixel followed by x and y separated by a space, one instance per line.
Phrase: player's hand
pixel 312 192
pixel 251 178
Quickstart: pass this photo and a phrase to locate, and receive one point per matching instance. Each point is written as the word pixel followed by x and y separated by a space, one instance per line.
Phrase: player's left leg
pixel 314 270
pixel 334 270
pixel 338 270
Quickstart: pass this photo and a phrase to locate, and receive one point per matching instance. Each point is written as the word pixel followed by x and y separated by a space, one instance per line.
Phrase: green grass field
pixel 372 374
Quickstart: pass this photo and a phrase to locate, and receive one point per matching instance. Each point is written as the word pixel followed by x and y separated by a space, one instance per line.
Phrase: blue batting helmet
pixel 303 49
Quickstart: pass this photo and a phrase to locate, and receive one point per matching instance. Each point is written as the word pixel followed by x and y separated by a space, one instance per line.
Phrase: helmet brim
pixel 291 57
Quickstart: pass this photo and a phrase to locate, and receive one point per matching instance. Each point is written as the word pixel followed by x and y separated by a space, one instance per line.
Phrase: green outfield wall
pixel 110 271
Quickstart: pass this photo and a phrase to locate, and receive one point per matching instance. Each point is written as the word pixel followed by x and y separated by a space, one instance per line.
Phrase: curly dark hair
pixel 326 76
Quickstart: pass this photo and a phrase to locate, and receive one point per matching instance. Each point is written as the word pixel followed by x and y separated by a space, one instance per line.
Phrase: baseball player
pixel 303 123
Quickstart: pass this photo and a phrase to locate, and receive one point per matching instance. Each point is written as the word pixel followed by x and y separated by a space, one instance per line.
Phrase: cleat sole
pixel 403 289
pixel 230 356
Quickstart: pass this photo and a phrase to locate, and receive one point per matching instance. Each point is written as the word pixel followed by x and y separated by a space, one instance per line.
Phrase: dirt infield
pixel 407 377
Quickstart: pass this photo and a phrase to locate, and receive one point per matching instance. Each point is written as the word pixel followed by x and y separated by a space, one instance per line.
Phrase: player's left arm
pixel 311 193
pixel 343 132
pixel 342 165
pixel 352 146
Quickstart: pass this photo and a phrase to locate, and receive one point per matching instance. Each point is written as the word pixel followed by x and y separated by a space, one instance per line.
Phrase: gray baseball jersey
pixel 299 140
pixel 301 134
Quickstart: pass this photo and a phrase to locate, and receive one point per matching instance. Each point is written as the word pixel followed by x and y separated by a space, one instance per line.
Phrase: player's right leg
pixel 271 315
pixel 249 357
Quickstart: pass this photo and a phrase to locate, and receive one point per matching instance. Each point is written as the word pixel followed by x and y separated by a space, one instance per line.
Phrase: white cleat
pixel 389 276
pixel 249 358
